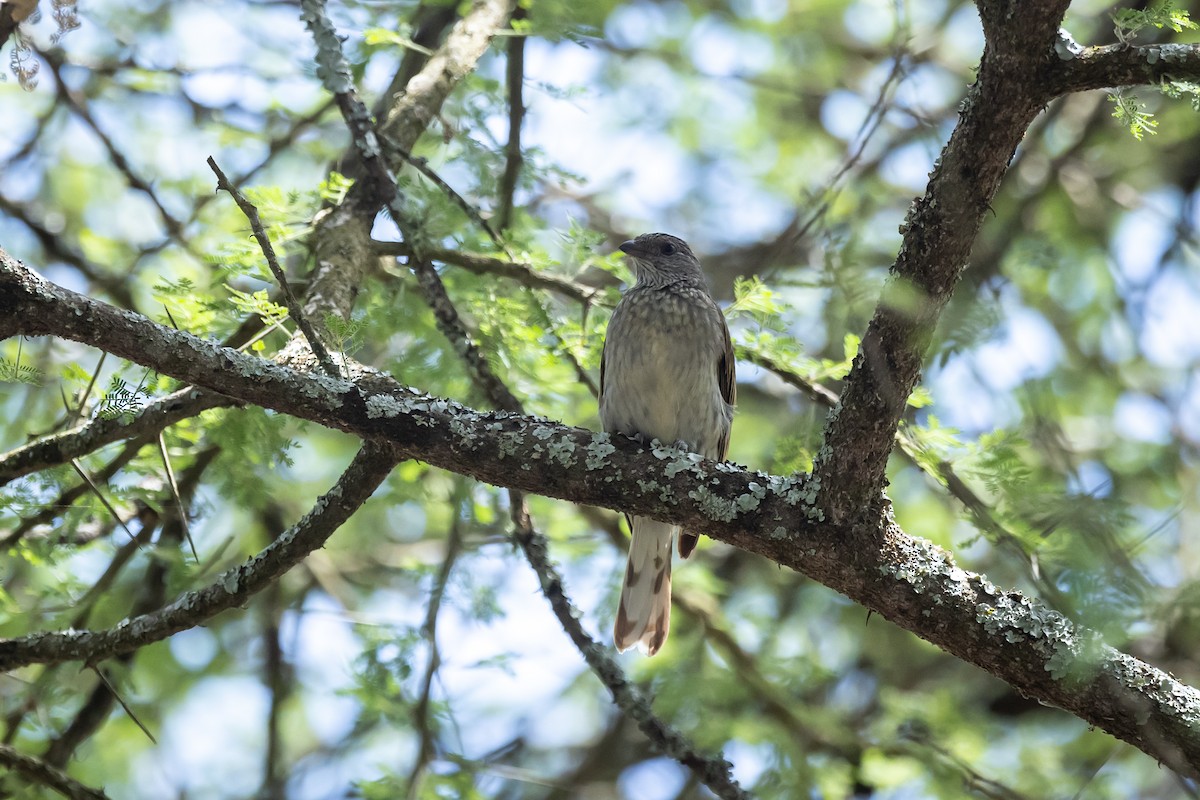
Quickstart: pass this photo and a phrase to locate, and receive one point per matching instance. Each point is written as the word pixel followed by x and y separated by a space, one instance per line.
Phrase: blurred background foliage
pixel 1053 446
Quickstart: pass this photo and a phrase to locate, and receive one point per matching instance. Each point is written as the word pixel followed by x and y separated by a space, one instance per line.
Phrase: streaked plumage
pixel 667 373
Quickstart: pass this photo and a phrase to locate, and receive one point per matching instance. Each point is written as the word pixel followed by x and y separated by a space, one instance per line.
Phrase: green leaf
pixel 1132 113
pixel 260 303
pixel 1130 21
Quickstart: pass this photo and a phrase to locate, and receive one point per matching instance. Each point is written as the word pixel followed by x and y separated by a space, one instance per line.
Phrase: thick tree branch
pixel 865 556
pixel 1117 65
pixel 938 234
pixel 413 110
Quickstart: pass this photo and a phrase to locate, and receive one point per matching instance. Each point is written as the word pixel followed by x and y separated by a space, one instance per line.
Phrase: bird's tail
pixel 644 615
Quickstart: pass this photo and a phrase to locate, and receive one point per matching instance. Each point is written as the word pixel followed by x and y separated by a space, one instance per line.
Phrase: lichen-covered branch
pixel 867 557
pixel 1115 65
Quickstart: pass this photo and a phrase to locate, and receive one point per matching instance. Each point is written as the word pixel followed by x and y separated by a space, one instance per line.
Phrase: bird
pixel 666 372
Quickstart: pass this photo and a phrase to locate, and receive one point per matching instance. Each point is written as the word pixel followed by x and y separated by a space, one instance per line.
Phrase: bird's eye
pixel 668 249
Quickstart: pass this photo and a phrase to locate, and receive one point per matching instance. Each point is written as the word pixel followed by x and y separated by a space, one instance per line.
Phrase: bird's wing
pixel 727 382
pixel 727 379
pixel 603 354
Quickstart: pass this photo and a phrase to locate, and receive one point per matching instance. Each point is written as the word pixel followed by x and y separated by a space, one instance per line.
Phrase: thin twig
pixel 434 660
pixel 183 523
pixel 78 413
pixel 103 500
pixel 479 264
pixel 289 299
pixel 422 166
pixel 117 696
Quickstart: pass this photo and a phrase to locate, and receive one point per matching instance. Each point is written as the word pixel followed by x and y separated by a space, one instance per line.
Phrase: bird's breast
pixel 661 373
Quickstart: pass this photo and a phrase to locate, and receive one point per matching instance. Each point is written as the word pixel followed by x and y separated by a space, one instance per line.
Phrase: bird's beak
pixel 629 248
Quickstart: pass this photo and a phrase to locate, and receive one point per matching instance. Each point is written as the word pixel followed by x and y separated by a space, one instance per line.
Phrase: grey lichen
pixel 1179 699
pixel 598 451
pixel 647 486
pixel 467 439
pixel 681 462
pixel 799 491
pixel 926 567
pixel 384 405
pixel 1173 52
pixel 662 451
pixel 712 506
pixel 510 443
pixel 331 387
pixel 563 452
pixel 752 499
pixel 1018 620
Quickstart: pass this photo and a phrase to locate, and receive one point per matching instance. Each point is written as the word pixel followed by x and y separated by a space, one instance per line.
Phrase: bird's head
pixel 659 258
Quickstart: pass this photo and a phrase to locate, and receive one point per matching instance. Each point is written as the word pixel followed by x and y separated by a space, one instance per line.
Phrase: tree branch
pixel 514 76
pixel 938 234
pixel 343 234
pixel 1117 65
pixel 231 589
pixel 39 772
pixel 476 263
pixel 413 110
pixel 865 556
pixel 714 772
pixel 91 436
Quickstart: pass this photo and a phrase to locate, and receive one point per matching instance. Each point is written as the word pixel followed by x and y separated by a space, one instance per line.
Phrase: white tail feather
pixel 644 615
